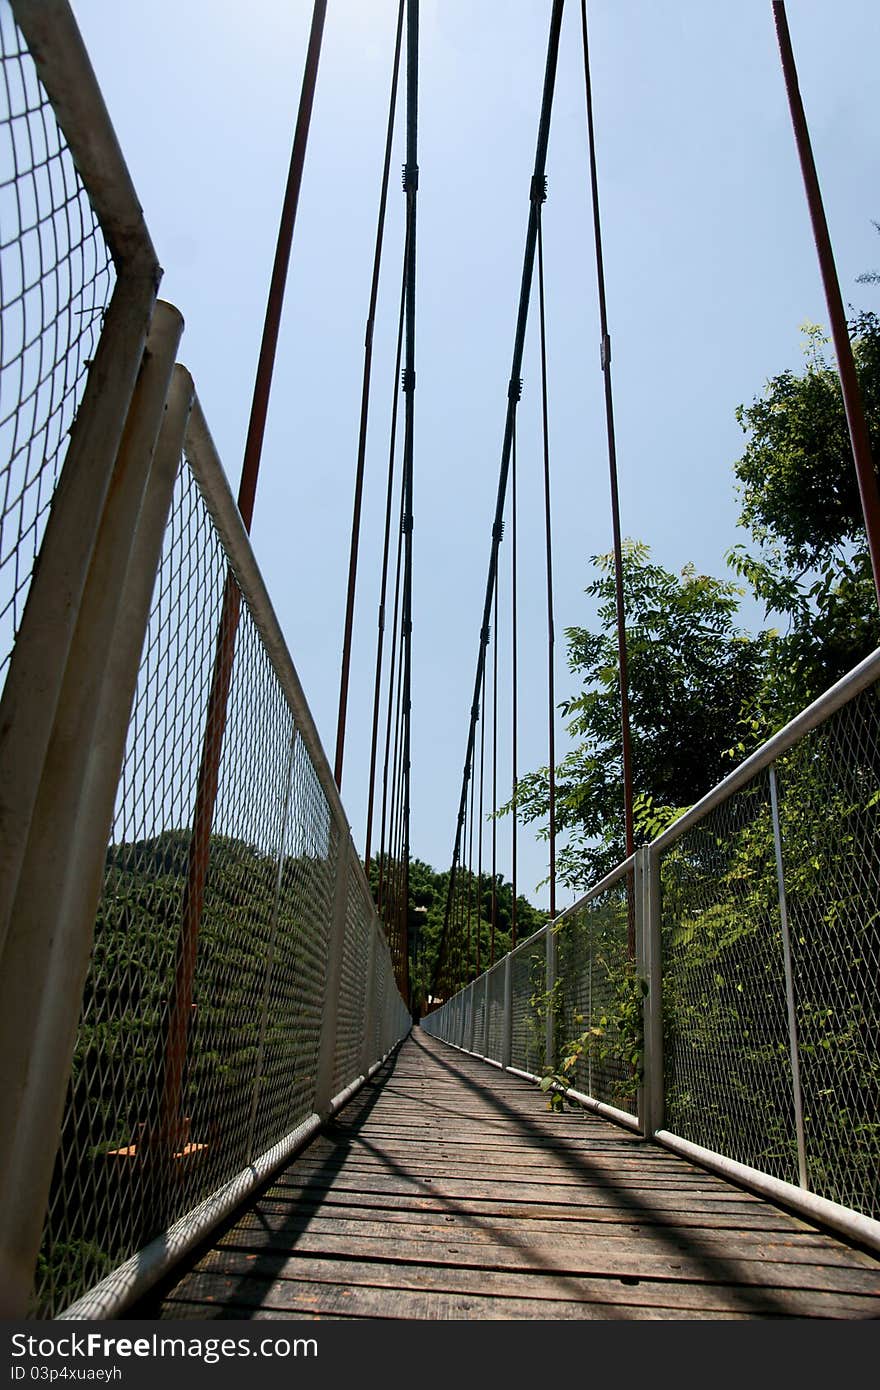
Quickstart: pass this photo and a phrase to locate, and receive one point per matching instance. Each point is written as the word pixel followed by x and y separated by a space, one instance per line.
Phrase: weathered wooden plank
pixel 305 1300
pixel 599 1259
pixel 390 1208
pixel 451 1191
pixel 253 1234
pixel 756 1301
pixel 719 1198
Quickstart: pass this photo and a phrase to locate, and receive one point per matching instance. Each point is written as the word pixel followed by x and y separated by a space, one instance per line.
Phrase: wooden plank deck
pixel 446 1189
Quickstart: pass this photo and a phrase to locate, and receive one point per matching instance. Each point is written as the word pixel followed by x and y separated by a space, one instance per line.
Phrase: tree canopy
pixel 703 691
pixel 807 559
pixel 691 667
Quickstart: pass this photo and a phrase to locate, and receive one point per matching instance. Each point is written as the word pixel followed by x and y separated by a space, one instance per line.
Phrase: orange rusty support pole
pixel 852 400
pixel 172 1123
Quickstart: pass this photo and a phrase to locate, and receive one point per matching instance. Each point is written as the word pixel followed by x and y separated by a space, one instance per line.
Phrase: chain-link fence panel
pixel 56 278
pixel 495 1004
pixel 597 1010
pixel 728 1076
pixel 352 983
pixel 479 1032
pixel 142 1144
pixel 529 1003
pixel 829 809
pixel 101 1193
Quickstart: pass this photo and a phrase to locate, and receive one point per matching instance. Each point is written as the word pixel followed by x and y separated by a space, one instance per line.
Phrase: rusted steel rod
pixel 365 410
pixel 548 537
pixel 172 1123
pixel 512 400
pixel 852 400
pixel 626 737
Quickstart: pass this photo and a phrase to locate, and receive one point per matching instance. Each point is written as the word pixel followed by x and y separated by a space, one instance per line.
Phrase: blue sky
pixel 710 272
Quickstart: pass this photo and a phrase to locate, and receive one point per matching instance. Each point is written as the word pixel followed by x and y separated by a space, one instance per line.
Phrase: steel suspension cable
pixel 626 738
pixel 383 584
pixel 512 399
pixel 470 876
pixel 495 645
pixel 514 686
pixel 193 898
pixel 860 441
pixel 411 184
pixel 551 637
pixel 365 410
pixel 392 677
pixel 482 814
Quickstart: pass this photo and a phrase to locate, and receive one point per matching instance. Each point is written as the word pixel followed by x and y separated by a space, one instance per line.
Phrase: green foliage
pixel 808 558
pixel 428 893
pixel 614 1041
pixel 249 942
pixel 692 669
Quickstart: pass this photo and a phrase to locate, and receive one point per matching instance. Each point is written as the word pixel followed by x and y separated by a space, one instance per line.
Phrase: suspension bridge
pixel 215 1099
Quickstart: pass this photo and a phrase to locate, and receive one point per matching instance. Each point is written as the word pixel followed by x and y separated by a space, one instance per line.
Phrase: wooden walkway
pixel 446 1189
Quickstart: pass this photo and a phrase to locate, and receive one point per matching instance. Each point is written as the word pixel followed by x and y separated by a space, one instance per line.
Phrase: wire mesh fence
pixel 743 1054
pixel 139 1149
pixel 830 827
pixel 56 278
pixel 727 1067
pixel 597 1016
pixel 767 917
pixel 528 995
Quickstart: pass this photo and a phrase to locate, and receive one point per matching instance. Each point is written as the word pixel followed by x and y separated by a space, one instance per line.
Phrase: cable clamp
pixel 605 351
pixel 485 634
pixel 514 388
pixel 498 531
pixel 538 190
pixel 410 178
pixel 408 524
pixel 408 379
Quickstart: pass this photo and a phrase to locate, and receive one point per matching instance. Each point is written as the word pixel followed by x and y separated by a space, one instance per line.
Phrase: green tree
pixel 808 560
pixel 428 890
pixel 692 669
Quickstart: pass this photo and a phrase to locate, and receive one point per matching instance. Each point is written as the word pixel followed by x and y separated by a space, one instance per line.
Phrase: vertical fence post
pixel 335 952
pixel 485 1052
pixel 648 969
pixel 369 1054
pixel 507 1013
pixel 794 1049
pixel 266 996
pixel 36 671
pixel 550 995
pixel 46 952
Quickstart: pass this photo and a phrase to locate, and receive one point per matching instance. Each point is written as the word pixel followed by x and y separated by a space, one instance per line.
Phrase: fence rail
pixel 757 919
pixel 178 1051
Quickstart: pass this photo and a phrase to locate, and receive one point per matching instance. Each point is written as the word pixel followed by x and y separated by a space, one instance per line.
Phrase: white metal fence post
pixel 47 947
pixel 550 995
pixel 507 1013
pixel 486 1007
pixel 648 969
pixel 335 953
pixel 794 1047
pixel 368 1049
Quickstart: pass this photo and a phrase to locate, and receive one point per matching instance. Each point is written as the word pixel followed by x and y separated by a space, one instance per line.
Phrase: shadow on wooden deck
pixel 446 1189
